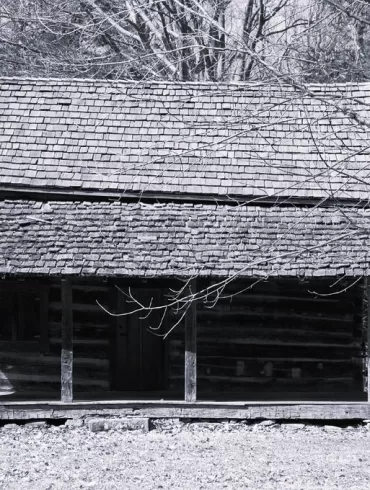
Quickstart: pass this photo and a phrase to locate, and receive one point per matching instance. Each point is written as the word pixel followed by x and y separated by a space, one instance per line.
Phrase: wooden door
pixel 139 354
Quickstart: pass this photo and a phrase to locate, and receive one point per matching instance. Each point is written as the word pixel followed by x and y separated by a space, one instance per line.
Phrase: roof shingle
pixel 144 240
pixel 228 140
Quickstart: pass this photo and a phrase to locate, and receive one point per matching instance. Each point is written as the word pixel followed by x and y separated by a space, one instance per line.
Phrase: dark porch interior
pixel 277 341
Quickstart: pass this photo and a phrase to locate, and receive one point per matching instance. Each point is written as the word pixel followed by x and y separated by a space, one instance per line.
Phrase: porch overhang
pixel 125 239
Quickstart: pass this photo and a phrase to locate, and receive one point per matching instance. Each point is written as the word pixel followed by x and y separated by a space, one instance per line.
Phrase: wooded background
pixel 188 40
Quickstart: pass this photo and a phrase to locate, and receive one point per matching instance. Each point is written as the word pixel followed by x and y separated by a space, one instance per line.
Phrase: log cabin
pixel 252 199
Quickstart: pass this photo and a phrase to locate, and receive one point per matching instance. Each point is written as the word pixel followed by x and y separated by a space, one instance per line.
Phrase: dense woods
pixel 196 40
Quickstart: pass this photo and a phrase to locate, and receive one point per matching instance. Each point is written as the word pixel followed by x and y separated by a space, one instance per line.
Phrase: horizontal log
pixel 290 324
pixel 251 380
pixel 175 357
pixel 292 288
pixel 22 286
pixel 261 320
pixel 18 358
pixel 8 369
pixel 85 287
pixel 291 298
pixel 14 378
pixel 85 307
pixel 278 351
pixel 19 346
pixel 199 410
pixel 81 334
pixel 92 372
pixel 273 342
pixel 86 352
pixel 277 310
pixel 272 352
pixel 282 370
pixel 24 385
pixel 85 341
pixel 242 312
pixel 279 363
pixel 83 326
pixel 278 333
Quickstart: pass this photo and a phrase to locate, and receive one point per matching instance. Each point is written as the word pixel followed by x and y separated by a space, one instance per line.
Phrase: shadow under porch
pixel 276 342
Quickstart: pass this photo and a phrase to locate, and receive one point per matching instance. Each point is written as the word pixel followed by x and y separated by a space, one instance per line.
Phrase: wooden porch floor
pixel 154 409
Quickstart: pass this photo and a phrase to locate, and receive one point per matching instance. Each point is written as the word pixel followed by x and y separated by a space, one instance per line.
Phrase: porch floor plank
pixel 210 409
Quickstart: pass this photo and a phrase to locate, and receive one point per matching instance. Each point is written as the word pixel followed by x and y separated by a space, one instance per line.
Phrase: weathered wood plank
pixel 191 349
pixel 242 411
pixel 67 343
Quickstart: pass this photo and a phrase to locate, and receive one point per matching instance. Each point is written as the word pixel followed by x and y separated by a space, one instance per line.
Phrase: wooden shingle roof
pixel 180 239
pixel 249 140
pixel 67 141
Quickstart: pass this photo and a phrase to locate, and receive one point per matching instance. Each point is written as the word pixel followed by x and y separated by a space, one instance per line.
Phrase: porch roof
pixel 251 140
pixel 146 240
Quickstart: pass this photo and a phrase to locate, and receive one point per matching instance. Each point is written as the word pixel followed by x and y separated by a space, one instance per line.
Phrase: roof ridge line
pixel 137 82
pixel 168 82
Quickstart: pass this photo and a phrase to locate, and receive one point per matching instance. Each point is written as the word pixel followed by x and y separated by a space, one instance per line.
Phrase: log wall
pixel 23 330
pixel 176 356
pixel 274 341
pixel 25 369
pixel 92 333
pixel 277 341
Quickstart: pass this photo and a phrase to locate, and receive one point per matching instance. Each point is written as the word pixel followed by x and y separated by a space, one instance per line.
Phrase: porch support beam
pixel 67 343
pixel 191 348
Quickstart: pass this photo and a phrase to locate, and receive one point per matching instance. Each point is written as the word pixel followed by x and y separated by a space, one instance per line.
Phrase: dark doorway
pixel 139 352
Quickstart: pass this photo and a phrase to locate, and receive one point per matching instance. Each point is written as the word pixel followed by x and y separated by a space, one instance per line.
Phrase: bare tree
pixel 138 39
pixel 335 45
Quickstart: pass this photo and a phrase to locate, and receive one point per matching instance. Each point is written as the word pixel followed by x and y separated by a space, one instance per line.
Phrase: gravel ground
pixel 186 456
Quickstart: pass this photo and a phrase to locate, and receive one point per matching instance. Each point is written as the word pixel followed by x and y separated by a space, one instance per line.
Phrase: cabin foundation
pixel 179 410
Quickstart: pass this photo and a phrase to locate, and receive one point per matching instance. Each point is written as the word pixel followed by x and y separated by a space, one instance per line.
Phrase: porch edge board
pixel 243 411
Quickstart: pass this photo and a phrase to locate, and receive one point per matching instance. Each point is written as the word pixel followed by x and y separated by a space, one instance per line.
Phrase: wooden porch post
pixel 191 349
pixel 67 343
